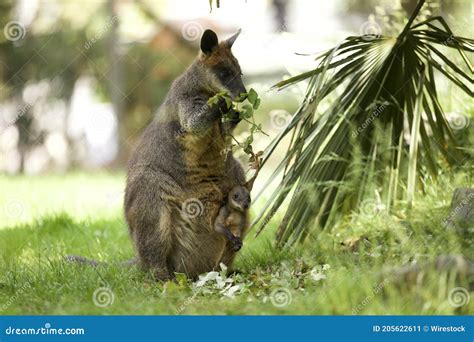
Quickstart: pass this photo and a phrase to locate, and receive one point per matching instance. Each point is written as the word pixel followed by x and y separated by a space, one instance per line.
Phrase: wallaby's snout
pixel 236 87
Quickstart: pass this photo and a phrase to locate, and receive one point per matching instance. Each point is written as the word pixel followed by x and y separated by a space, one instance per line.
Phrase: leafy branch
pixel 245 112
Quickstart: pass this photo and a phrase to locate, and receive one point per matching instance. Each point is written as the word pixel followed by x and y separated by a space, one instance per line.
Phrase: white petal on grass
pixel 203 279
pixel 316 275
pixel 232 290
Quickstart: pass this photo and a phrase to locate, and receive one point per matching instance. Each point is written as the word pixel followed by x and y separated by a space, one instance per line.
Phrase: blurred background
pixel 79 80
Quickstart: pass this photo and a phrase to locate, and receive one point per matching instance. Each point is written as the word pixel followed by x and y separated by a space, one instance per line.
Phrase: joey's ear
pixel 229 42
pixel 208 41
pixel 249 184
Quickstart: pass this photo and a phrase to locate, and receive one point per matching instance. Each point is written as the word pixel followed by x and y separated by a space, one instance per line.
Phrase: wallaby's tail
pixel 94 263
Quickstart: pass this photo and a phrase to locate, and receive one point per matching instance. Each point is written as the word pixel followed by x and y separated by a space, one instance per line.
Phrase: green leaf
pixel 241 98
pixel 247 111
pixel 256 104
pixel 252 96
pixel 213 100
pixel 228 102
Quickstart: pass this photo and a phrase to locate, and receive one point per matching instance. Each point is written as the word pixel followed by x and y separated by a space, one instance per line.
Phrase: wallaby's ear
pixel 209 41
pixel 229 42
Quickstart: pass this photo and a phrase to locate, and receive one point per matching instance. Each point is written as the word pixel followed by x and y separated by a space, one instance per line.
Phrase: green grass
pixel 44 218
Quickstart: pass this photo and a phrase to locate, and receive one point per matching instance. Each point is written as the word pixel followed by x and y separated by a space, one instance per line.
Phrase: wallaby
pixel 232 217
pixel 184 157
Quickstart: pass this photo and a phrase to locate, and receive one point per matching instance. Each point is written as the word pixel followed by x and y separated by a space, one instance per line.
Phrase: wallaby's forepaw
pixel 234 116
pixel 220 108
pixel 236 244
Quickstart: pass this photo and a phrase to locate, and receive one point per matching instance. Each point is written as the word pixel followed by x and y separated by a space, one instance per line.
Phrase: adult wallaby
pixel 182 169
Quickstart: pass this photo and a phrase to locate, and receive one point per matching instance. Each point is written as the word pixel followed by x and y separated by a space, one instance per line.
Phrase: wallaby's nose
pixel 241 87
pixel 243 90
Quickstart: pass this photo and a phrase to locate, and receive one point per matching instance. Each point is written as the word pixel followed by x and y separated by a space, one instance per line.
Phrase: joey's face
pixel 239 198
pixel 222 67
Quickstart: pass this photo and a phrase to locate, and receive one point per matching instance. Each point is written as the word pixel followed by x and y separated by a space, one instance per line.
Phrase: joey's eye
pixel 236 196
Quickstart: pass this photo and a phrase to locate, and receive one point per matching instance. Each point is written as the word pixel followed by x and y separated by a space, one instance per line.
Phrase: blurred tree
pixel 281 13
pixel 134 75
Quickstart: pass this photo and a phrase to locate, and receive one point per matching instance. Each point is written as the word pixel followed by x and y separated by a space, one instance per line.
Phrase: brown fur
pixel 222 55
pixel 233 216
pixel 180 157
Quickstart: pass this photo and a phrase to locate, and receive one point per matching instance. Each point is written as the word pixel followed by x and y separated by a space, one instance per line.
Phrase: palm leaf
pixel 386 91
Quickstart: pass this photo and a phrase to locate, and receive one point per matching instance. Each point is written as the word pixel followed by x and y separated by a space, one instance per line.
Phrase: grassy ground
pixel 346 270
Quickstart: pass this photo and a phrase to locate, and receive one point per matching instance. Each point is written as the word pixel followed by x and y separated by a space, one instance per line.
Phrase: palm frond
pixel 387 113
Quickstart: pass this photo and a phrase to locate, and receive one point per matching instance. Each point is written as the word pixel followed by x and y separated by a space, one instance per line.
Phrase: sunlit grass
pixel 70 216
pixel 83 196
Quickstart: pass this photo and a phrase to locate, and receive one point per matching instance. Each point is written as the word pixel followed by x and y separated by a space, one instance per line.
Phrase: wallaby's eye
pixel 225 73
pixel 236 196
